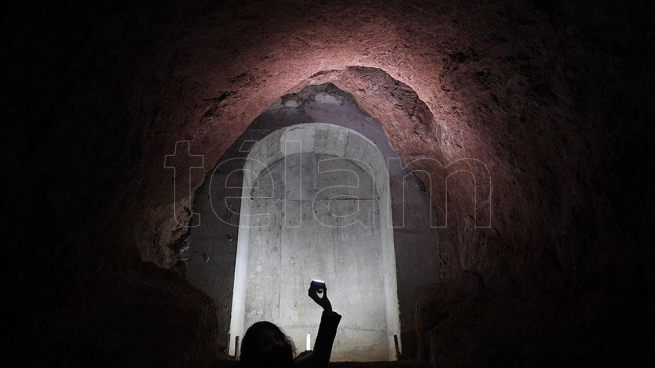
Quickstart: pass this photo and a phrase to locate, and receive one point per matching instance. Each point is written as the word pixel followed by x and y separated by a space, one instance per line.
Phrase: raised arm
pixel 327 330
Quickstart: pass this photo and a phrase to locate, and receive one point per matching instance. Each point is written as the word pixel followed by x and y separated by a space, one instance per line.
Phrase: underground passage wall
pixel 316 211
pixel 549 264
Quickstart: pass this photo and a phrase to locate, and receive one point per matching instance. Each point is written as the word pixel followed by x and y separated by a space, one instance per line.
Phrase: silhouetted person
pixel 265 345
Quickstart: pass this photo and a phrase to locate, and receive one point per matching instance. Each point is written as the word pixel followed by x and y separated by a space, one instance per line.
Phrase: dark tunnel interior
pixel 514 135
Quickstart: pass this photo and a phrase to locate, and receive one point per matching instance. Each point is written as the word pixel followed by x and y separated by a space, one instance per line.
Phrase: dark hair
pixel 249 343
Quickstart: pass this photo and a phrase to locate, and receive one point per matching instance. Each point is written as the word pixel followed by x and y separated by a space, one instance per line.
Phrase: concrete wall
pixel 332 235
pixel 336 195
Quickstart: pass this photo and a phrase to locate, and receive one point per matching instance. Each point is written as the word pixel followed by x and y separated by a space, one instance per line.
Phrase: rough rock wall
pixel 142 317
pixel 553 98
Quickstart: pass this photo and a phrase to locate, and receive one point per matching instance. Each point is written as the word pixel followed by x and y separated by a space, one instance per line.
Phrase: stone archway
pixel 315 203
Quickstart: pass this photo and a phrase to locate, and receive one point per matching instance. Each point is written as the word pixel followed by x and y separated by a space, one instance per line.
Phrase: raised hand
pixel 323 301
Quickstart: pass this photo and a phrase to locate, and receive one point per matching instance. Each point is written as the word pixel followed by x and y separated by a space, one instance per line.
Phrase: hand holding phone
pixel 319 286
pixel 318 292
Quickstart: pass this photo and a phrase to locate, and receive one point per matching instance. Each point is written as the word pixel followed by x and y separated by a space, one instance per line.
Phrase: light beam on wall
pixel 366 333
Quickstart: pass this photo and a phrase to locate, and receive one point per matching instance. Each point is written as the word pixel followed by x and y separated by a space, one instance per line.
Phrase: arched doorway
pixel 315 204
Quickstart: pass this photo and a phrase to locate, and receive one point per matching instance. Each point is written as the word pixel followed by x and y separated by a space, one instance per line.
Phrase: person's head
pixel 264 344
